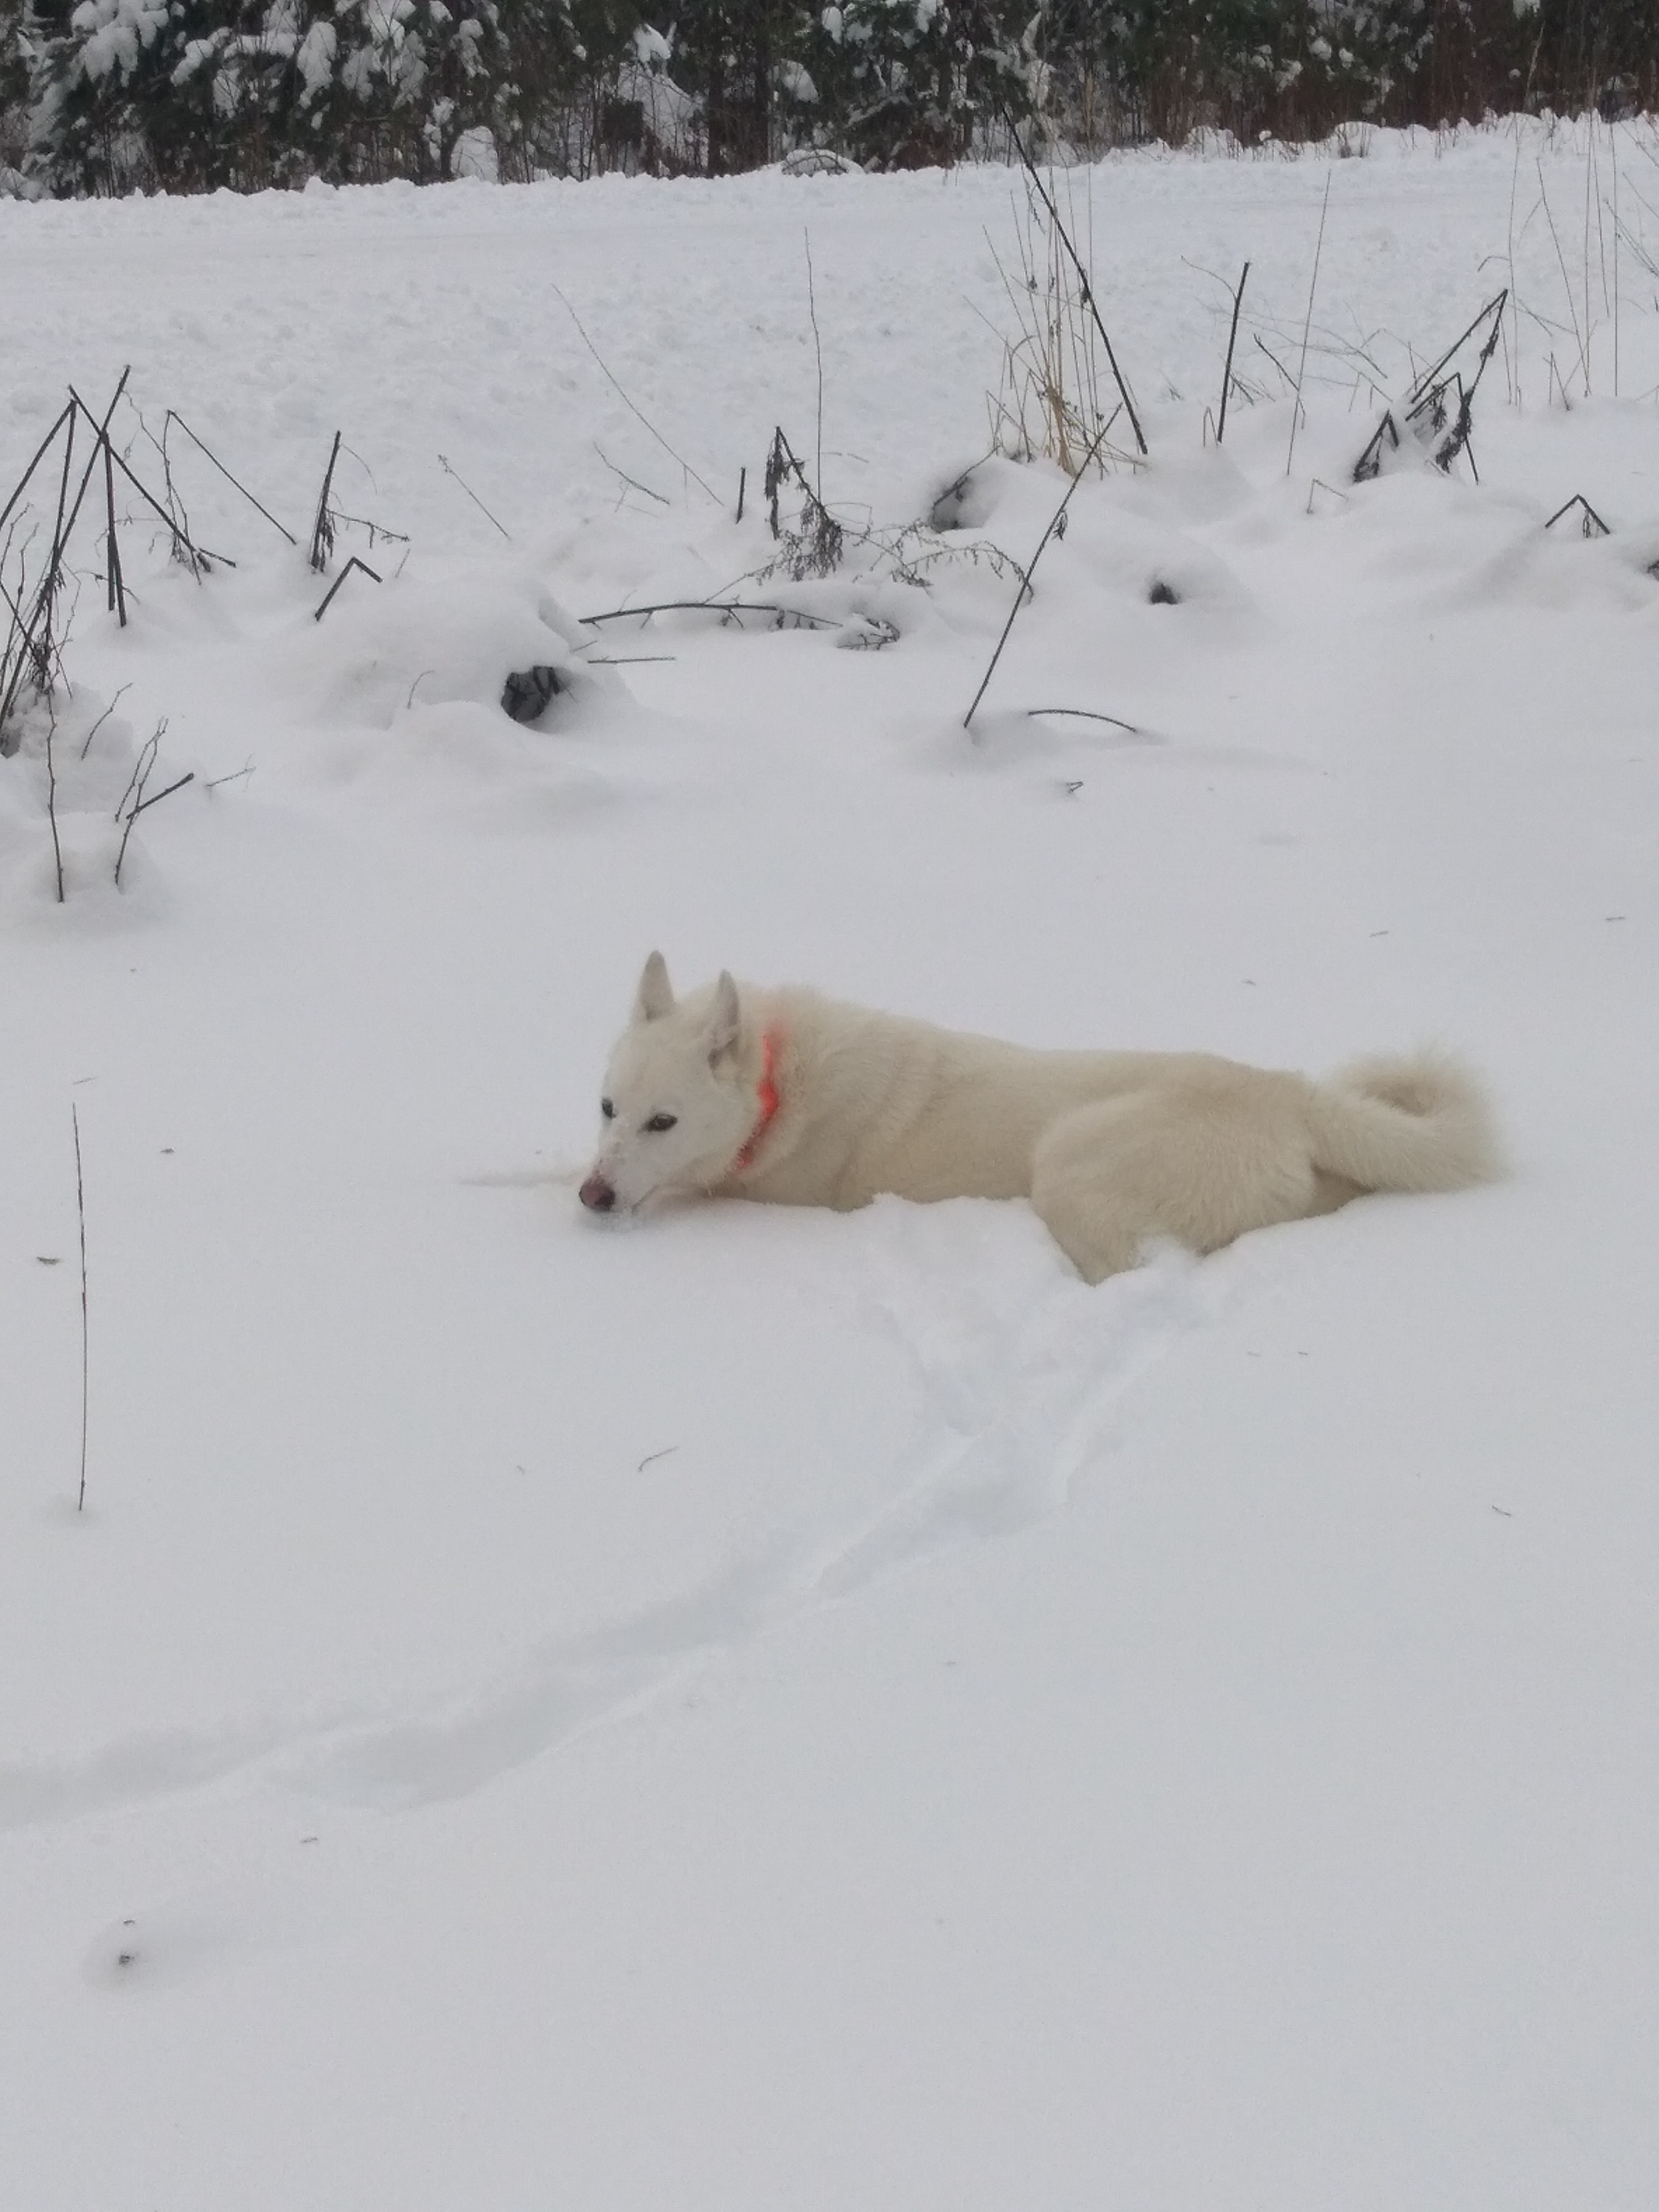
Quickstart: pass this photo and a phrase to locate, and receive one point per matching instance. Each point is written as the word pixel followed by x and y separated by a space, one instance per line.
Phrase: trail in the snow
pixel 1022 1369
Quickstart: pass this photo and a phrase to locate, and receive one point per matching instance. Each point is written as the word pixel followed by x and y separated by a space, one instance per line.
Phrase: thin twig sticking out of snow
pixel 47 603
pixel 322 532
pixel 178 784
pixel 1424 384
pixel 1023 592
pixel 80 1209
pixel 135 790
pixel 118 590
pixel 1581 338
pixel 1307 327
pixel 36 643
pixel 479 504
pixel 195 558
pixel 1088 715
pixel 685 467
pixel 818 352
pixel 172 416
pixel 1227 371
pixel 328 596
pixel 1590 524
pixel 51 793
pixel 1064 236
pixel 103 718
pixel 715 607
pixel 22 484
pixel 632 482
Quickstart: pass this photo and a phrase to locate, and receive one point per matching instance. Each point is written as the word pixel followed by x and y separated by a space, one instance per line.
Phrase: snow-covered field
pixel 774 1713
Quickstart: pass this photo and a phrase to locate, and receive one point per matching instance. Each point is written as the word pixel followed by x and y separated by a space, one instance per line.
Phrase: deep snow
pixel 759 1710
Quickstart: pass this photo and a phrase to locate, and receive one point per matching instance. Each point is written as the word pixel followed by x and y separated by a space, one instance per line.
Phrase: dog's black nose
pixel 596 1195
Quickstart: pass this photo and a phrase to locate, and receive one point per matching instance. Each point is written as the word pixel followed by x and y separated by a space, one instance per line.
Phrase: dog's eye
pixel 607 1110
pixel 659 1122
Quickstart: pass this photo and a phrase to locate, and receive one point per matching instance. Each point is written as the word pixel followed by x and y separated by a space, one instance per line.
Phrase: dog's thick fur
pixel 1112 1148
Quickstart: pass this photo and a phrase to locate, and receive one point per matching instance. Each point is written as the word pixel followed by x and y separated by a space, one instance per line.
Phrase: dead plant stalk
pixel 1055 520
pixel 1307 326
pixel 80 1211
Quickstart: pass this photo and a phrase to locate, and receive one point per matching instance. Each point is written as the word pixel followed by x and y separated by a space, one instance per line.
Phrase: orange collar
pixel 767 1095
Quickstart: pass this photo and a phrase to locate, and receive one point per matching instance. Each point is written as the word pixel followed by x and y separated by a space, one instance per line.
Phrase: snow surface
pixel 771 1711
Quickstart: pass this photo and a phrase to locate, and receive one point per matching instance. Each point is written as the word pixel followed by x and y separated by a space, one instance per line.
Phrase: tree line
pixel 108 96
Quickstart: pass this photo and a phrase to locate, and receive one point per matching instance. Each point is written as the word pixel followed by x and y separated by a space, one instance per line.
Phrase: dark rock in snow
pixel 527 691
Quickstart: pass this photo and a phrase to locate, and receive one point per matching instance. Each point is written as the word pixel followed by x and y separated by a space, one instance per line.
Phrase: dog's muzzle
pixel 597 1195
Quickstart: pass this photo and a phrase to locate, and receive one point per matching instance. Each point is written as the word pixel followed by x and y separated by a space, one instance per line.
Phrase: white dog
pixel 785 1095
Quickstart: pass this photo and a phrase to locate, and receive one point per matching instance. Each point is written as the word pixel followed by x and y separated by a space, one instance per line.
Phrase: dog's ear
pixel 725 1019
pixel 656 992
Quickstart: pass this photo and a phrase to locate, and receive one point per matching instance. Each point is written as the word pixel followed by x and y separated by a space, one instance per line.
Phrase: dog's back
pixel 884 1103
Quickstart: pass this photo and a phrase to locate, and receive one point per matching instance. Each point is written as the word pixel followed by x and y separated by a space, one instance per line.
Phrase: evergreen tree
pixel 905 82
pixel 186 94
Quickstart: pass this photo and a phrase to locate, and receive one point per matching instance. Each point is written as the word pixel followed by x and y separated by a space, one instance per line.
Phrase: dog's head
pixel 677 1108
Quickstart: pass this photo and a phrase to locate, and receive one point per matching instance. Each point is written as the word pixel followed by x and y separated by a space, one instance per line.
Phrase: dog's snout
pixel 597 1195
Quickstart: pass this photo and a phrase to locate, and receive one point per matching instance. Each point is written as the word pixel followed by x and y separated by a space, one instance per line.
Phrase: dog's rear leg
pixel 1097 1247
pixel 1091 1221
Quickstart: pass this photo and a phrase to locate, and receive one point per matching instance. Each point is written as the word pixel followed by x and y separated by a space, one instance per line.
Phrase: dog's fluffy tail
pixel 1420 1121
